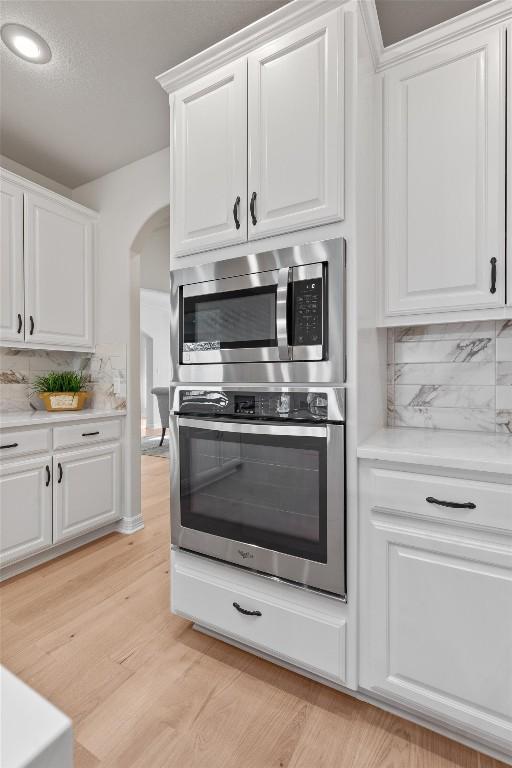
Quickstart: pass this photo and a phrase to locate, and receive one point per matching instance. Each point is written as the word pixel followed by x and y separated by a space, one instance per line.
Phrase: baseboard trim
pixel 56 550
pixel 130 524
pixel 414 717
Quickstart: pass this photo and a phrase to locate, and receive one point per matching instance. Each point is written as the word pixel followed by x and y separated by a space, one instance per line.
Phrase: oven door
pixel 236 319
pixel 265 496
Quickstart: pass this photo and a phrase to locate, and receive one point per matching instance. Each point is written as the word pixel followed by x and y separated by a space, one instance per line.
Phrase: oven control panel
pixel 307 312
pixel 296 405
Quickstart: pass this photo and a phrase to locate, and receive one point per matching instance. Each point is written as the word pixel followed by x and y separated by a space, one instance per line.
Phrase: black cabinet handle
pixel 235 212
pixel 60 472
pixel 48 475
pixel 452 504
pixel 20 323
pixel 252 207
pixel 89 434
pixel 493 275
pixel 31 325
pixel 11 445
pixel 245 611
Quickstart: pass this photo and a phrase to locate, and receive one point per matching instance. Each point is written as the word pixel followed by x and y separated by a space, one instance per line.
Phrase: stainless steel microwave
pixel 277 316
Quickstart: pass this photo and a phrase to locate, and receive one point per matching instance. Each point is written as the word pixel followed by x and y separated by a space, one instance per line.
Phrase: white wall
pixel 154 260
pixel 154 322
pixel 37 178
pixel 126 200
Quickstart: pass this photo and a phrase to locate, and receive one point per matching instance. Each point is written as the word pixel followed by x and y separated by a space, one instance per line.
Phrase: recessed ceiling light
pixel 26 43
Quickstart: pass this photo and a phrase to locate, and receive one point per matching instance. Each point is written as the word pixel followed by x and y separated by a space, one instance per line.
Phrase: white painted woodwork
pixel 436 624
pixel 301 628
pixel 88 495
pixel 444 177
pixel 11 261
pixel 25 508
pixel 73 435
pixel 295 128
pixel 59 284
pixel 24 441
pixel 210 161
pixel 509 165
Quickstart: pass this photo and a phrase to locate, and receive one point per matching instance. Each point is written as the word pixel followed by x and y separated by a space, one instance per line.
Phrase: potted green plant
pixel 62 390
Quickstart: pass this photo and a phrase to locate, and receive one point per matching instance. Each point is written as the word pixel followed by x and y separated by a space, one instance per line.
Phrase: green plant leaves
pixel 60 381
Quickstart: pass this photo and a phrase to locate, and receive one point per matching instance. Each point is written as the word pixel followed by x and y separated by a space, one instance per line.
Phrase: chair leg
pixel 163 435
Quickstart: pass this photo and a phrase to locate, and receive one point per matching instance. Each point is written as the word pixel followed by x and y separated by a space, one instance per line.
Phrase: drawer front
pixel 86 433
pixel 408 492
pixel 297 633
pixel 24 442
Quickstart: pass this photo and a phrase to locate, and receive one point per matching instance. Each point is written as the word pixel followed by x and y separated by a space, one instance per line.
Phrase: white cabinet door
pixel 11 262
pixel 58 273
pixel 444 177
pixel 436 622
pixel 25 508
pixel 86 490
pixel 295 129
pixel 210 161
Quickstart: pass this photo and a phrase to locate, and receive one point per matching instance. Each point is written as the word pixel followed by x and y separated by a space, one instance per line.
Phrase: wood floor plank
pixel 92 632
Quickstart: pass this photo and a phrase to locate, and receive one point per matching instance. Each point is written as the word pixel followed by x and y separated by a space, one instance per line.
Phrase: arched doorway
pixel 156 221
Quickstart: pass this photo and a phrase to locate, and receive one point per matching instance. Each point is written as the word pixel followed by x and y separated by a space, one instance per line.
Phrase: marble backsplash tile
pixel 451 376
pixel 105 370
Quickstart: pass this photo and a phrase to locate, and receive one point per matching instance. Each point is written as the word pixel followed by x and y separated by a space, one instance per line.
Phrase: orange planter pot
pixel 64 401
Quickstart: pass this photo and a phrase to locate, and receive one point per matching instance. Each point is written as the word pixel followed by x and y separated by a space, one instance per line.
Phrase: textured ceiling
pixel 96 106
pixel 399 19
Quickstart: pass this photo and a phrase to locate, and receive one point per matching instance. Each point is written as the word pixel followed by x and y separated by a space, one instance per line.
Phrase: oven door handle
pixel 255 428
pixel 283 283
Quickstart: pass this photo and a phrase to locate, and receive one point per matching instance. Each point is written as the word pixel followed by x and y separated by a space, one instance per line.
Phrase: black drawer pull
pixel 48 475
pixel 60 472
pixel 11 445
pixel 235 212
pixel 31 325
pixel 20 323
pixel 252 208
pixel 245 611
pixel 452 504
pixel 89 434
pixel 493 275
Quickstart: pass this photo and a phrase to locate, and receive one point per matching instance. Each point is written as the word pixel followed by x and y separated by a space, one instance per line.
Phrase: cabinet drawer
pixel 408 492
pixel 85 433
pixel 302 628
pixel 23 442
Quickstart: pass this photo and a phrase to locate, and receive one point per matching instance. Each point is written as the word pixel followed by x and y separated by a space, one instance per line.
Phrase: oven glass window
pixel 267 490
pixel 232 319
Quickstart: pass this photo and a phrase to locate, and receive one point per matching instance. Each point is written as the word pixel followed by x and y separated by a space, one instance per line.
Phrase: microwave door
pixel 232 320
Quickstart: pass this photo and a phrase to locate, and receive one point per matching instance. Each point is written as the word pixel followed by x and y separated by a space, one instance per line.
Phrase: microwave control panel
pixel 307 312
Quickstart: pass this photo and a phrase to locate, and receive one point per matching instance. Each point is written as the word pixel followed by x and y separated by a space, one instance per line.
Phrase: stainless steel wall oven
pixel 277 316
pixel 258 480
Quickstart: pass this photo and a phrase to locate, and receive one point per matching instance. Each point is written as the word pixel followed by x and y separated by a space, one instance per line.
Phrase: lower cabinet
pixel 25 508
pixel 48 499
pixel 86 490
pixel 302 628
pixel 436 605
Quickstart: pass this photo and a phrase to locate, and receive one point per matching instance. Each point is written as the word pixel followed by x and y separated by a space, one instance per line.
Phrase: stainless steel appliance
pixel 277 316
pixel 257 479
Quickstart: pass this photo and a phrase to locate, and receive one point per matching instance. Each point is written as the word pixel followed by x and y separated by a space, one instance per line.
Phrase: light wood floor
pixel 92 632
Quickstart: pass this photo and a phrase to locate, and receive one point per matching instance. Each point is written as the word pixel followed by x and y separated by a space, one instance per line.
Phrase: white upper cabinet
pixel 444 178
pixel 11 262
pixel 295 129
pixel 58 273
pixel 509 164
pixel 210 161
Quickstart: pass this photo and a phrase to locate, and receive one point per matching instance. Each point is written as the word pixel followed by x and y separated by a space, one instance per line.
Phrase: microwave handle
pixel 283 283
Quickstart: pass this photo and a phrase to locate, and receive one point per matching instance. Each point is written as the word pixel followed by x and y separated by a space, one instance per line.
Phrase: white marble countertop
pixel 476 451
pixel 11 419
pixel 34 732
